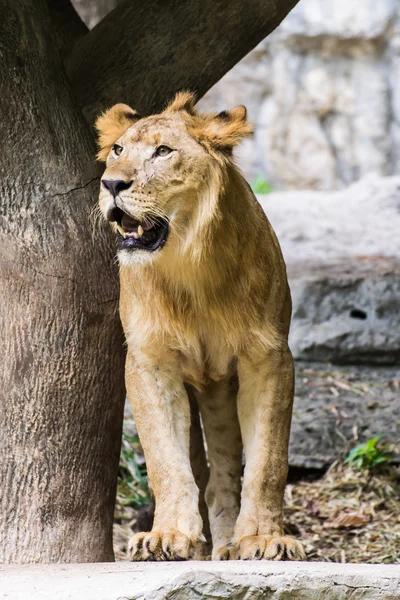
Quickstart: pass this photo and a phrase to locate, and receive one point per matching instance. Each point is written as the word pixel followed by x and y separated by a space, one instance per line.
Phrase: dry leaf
pixel 348 520
pixel 312 509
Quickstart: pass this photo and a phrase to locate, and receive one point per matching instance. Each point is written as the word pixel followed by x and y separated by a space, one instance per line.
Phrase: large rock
pixel 250 580
pixel 324 93
pixel 343 257
pixel 347 312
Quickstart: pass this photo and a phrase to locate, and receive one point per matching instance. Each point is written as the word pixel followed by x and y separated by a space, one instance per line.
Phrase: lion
pixel 205 306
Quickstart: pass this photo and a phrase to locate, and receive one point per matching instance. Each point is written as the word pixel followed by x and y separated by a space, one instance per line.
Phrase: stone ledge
pixel 186 580
pixel 342 257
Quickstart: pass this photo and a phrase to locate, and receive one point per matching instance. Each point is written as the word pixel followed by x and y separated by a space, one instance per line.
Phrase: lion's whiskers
pixel 96 219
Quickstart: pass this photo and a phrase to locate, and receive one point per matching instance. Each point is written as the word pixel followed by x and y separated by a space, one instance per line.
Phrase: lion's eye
pixel 117 149
pixel 163 151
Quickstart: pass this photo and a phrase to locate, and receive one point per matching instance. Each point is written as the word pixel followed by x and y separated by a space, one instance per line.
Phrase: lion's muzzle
pixel 133 234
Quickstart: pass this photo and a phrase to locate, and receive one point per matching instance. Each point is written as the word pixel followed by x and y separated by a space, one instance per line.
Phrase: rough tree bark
pixel 93 11
pixel 61 391
pixel 61 394
pixel 68 26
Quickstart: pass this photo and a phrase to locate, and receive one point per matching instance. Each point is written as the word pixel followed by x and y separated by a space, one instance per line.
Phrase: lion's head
pixel 162 172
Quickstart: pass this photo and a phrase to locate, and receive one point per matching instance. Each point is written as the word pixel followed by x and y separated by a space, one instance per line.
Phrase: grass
pixel 369 455
pixel 261 186
pixel 133 489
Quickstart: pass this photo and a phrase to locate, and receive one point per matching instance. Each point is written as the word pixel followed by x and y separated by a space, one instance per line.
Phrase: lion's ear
pixel 226 129
pixel 111 124
pixel 183 101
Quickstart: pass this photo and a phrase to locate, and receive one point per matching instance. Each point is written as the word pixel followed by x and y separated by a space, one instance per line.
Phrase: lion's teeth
pixel 135 235
pixel 121 230
pixel 140 231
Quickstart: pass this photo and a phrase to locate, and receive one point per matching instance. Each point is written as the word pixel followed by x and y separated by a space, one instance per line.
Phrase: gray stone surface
pixel 347 312
pixel 360 220
pixel 324 93
pixel 343 256
pixel 336 408
pixel 254 580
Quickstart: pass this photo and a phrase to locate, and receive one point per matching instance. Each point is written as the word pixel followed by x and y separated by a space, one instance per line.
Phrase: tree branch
pixel 67 24
pixel 142 53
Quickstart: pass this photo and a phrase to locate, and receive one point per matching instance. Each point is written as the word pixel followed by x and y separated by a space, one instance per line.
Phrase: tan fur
pixel 182 101
pixel 211 309
pixel 112 124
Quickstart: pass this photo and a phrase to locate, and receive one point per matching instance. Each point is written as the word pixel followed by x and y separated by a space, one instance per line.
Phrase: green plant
pixel 133 489
pixel 261 186
pixel 368 455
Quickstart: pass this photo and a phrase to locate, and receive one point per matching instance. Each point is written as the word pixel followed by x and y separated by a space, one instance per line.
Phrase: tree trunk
pixel 142 53
pixel 62 393
pixel 93 11
pixel 67 25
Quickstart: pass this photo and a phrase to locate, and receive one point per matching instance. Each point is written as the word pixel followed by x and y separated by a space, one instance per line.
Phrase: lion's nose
pixel 115 186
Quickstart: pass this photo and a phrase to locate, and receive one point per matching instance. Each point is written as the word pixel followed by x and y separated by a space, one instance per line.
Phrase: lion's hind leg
pixel 201 471
pixel 224 444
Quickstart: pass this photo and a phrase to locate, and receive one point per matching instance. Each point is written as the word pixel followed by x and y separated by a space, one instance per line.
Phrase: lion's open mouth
pixel 132 234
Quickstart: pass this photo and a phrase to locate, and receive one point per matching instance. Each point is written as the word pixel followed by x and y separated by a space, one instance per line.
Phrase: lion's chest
pixel 162 325
pixel 203 362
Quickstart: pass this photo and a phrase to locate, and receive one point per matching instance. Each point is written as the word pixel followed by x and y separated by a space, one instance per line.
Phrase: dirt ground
pixel 340 512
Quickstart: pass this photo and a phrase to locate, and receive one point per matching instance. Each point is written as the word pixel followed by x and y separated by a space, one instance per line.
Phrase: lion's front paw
pixel 269 547
pixel 228 552
pixel 160 545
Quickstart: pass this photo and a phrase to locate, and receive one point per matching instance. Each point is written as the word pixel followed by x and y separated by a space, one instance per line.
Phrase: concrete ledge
pixel 194 580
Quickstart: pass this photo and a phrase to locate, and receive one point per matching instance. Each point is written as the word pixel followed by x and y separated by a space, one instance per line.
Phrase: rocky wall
pixel 324 93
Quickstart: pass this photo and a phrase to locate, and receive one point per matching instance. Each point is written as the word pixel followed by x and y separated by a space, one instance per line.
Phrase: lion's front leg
pixel 265 409
pixel 161 409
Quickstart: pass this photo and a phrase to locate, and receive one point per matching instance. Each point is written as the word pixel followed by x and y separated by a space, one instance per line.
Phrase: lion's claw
pixel 156 545
pixel 269 547
pixel 258 547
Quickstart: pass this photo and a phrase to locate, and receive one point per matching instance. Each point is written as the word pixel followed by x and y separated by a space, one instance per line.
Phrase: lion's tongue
pixel 147 224
pixel 129 223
